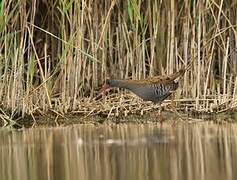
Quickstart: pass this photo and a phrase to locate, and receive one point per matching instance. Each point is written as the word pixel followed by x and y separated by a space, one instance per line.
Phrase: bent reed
pixel 56 54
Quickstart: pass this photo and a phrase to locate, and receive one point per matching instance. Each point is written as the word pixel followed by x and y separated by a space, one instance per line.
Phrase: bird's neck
pixel 118 83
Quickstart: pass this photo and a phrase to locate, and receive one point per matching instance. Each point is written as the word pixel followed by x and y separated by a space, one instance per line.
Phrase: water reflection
pixel 115 152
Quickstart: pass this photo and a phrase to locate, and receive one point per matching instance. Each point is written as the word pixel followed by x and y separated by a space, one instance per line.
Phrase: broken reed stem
pixel 40 69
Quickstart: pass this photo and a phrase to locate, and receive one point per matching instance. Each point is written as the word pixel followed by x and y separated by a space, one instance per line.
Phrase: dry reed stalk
pixel 199 55
pixel 224 70
pixel 172 37
pixel 186 24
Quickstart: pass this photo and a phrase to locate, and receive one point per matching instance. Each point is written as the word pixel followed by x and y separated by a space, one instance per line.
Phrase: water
pixel 120 152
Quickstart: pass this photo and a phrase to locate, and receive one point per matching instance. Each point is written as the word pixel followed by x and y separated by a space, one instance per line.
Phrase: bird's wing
pixel 154 92
pixel 165 79
pixel 156 79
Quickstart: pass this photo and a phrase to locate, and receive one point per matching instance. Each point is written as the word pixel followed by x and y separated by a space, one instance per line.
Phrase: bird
pixel 154 89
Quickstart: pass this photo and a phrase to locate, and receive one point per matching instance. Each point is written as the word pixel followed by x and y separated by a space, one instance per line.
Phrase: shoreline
pixel 119 107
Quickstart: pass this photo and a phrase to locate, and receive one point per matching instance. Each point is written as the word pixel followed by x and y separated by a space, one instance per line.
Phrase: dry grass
pixel 55 55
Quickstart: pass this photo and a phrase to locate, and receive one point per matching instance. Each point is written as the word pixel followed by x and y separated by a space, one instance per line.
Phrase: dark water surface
pixel 126 151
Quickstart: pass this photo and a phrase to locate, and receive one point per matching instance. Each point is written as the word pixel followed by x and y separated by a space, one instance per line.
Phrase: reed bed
pixel 55 55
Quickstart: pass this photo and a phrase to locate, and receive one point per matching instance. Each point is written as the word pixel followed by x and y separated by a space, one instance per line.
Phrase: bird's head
pixel 107 86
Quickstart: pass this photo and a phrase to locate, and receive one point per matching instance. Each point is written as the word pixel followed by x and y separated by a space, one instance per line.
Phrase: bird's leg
pixel 159 117
pixel 173 109
pixel 172 104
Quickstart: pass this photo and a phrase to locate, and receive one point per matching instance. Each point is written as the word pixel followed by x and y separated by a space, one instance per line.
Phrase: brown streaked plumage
pixel 154 89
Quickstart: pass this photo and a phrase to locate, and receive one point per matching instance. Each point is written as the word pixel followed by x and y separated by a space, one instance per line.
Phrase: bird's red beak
pixel 105 87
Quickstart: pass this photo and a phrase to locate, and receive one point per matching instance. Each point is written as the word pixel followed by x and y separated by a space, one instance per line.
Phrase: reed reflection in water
pixel 125 151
